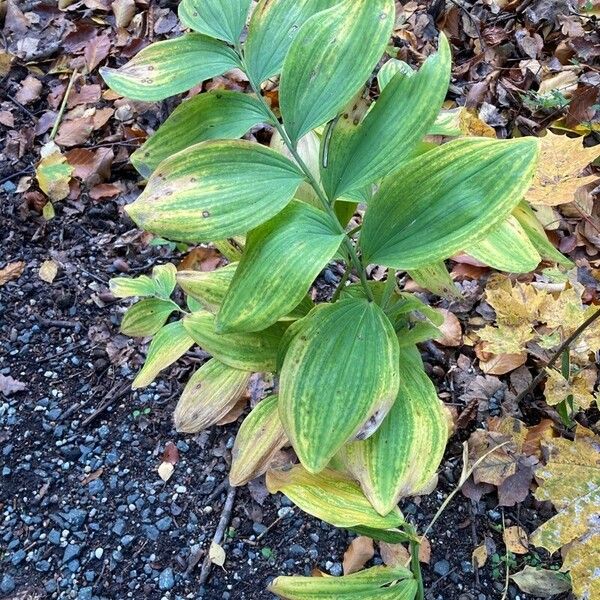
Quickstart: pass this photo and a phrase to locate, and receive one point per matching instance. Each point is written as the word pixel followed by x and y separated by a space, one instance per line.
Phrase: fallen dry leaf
pixel 480 556
pixel 30 90
pixel 11 271
pixel 394 555
pixel 516 540
pixel 48 271
pixel 558 174
pixel 216 554
pixel 500 364
pixel 53 173
pixel 165 470
pixel 571 481
pixel 171 453
pixel 450 328
pixel 541 583
pixel 359 553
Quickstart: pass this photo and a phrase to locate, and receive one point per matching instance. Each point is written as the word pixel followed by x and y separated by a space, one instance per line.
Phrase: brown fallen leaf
pixel 11 271
pixel 516 540
pixel 92 476
pixel 29 91
pixel 541 583
pixel 170 453
pixel 394 555
pixel 479 556
pixel 359 553
pixel 451 329
pixel 96 50
pixel 500 364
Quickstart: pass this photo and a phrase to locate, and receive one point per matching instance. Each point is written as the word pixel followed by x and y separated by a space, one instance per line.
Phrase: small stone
pixel 18 557
pixel 336 569
pixel 96 487
pixel 127 539
pixel 7 584
pixel 296 550
pixel 258 528
pixel 99 552
pixel 441 568
pixel 166 580
pixel 151 532
pixel 164 524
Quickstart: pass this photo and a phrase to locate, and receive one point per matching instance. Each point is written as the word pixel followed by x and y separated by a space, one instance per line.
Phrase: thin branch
pixel 540 376
pixel 63 104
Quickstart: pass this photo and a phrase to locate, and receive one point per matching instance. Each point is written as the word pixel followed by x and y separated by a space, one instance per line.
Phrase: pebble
pixel 166 580
pixel 164 524
pixel 7 585
pixel 96 487
pixel 441 568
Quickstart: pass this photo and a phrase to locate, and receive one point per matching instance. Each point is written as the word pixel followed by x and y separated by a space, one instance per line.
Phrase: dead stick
pixel 557 355
pixel 219 533
pixel 63 104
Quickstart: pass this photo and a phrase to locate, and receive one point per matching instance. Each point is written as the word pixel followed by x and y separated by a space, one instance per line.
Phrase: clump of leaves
pixel 354 400
pixel 571 481
pixel 540 317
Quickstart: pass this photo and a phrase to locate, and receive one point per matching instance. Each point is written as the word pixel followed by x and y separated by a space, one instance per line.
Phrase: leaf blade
pixel 221 19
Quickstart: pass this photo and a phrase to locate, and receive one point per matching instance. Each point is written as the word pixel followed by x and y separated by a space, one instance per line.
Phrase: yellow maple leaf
pixel 506 339
pixel 514 305
pixel 571 481
pixel 557 177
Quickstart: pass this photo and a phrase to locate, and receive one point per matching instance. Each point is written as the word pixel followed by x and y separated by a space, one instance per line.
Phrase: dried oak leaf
pixel 557 177
pixel 571 481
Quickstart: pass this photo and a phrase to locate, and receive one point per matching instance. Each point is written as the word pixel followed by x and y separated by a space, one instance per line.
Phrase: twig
pixel 58 323
pixel 506 580
pixel 219 533
pixel 540 376
pixel 63 104
pixel 222 486
pixel 119 393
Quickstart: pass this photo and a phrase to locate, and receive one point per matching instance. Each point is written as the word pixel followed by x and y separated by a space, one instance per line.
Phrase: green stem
pixel 63 104
pixel 313 182
pixel 390 286
pixel 415 564
pixel 341 285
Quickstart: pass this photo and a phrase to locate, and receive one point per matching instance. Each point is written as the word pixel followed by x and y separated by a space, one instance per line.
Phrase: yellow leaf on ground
pixel 165 470
pixel 359 553
pixel 11 271
pixel 480 556
pixel 571 481
pixel 216 554
pixel 558 174
pixel 516 540
pixel 580 386
pixel 48 271
pixel 53 173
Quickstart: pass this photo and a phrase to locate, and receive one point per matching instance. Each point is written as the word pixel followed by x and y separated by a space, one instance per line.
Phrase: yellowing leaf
pixel 216 554
pixel 557 177
pixel 515 539
pixel 506 339
pixel 53 173
pixel 571 481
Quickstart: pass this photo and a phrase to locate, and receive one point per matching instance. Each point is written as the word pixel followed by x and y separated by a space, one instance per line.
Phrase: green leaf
pixel 331 497
pixel 210 394
pixel 436 279
pixel 259 439
pixel 271 31
pixel 246 351
pixel 215 190
pixel 390 69
pixel 406 110
pixel 216 115
pixel 169 344
pixel 445 200
pixel 167 68
pixel 208 287
pixel 330 58
pixel 536 233
pixel 127 287
pixel 281 260
pixel 506 247
pixel 147 316
pixel 402 456
pixel 381 583
pixel 339 371
pixel 222 19
pixel 164 277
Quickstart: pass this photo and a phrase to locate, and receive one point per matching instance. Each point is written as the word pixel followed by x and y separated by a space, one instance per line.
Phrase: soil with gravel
pixel 83 512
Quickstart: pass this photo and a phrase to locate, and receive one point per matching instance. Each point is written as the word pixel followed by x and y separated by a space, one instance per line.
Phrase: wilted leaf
pixel 359 553
pixel 542 583
pixel 571 481
pixel 11 271
pixel 558 173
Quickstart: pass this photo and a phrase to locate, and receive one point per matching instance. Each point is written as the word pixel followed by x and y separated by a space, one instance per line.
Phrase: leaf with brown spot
pixel 516 540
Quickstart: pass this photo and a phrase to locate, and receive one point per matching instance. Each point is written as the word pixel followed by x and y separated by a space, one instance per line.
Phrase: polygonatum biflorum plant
pixel 353 399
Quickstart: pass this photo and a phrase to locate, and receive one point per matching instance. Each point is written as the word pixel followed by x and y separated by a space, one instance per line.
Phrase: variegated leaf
pixel 331 497
pixel 506 247
pixel 402 456
pixel 215 115
pixel 147 316
pixel 128 287
pixel 208 287
pixel 445 200
pixel 246 351
pixel 281 260
pixel 361 154
pixel 212 391
pixel 221 19
pixel 167 68
pixel 259 439
pixel 169 344
pixel 436 279
pixel 215 190
pixel 272 29
pixel 376 583
pixel 330 58
pixel 339 371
